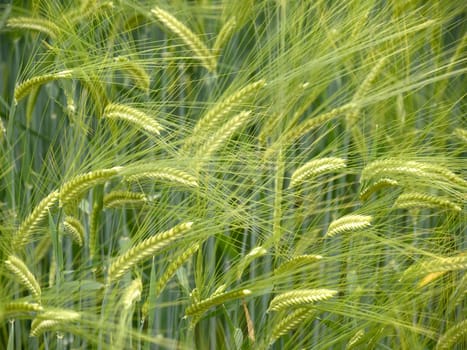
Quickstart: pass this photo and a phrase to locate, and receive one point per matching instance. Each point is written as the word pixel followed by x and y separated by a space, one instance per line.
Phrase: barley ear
pixel 116 199
pixel 51 320
pixel 169 174
pixel 143 250
pixel 452 336
pixel 75 229
pixel 315 168
pixel 25 277
pixel 356 339
pixel 224 34
pixel 38 24
pixel 135 72
pixel 133 116
pixel 202 53
pixel 290 322
pixel 423 200
pixel 296 262
pixel 297 298
pixel 19 308
pixel 349 223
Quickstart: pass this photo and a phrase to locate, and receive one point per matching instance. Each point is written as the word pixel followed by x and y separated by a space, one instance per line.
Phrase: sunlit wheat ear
pixel 167 174
pixel 52 320
pixel 21 308
pixel 33 220
pixel 247 259
pixel 173 267
pixel 117 199
pixel 461 134
pixel 423 200
pixel 135 71
pixel 454 335
pixel 363 90
pixel 299 298
pixel 355 340
pixel 25 277
pixel 315 168
pixel 290 322
pixel 297 262
pixel 200 50
pixel 348 223
pixel 219 111
pixel 89 8
pixel 224 34
pixel 366 192
pixel 201 307
pixel 429 278
pixel 394 166
pixel 132 293
pixel 72 190
pixel 132 115
pixel 143 250
pixel 75 229
pixel 38 24
pixel 218 139
pixel 27 86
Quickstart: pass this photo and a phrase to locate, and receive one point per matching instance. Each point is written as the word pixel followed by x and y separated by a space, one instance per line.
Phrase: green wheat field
pixel 219 174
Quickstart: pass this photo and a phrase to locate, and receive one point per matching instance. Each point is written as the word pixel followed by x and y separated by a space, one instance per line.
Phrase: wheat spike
pixel 133 116
pixel 18 308
pixel 38 24
pixel 348 223
pixel 144 250
pixel 26 278
pixel 75 229
pixel 49 320
pixel 452 336
pixel 132 293
pixel 315 168
pixel 355 339
pixel 296 263
pixel 299 298
pixel 461 133
pixel 255 253
pixel 169 174
pixel 135 72
pixel 117 199
pixel 202 53
pixel 204 305
pixel 27 86
pixel 366 192
pixel 224 34
pixel 290 322
pixel 424 200
pixel 73 189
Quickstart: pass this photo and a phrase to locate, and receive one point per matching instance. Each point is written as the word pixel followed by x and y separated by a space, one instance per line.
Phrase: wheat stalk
pixel 38 24
pixel 348 223
pixel 27 86
pixel 117 199
pixel 75 229
pixel 73 189
pixel 144 250
pixel 424 200
pixel 299 298
pixel 315 168
pixel 290 322
pixel 452 336
pixel 202 53
pixel 26 278
pixel 133 116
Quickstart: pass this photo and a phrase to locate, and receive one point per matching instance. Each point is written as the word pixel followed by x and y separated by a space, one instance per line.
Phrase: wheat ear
pixel 357 337
pixel 133 116
pixel 169 174
pixel 38 24
pixel 33 220
pixel 202 53
pixel 290 322
pixel 299 298
pixel 226 131
pixel 135 72
pixel 75 229
pixel 348 223
pixel 296 262
pixel 315 168
pixel 16 308
pixel 144 250
pixel 199 308
pixel 452 336
pixel 73 189
pixel 218 112
pixel 27 86
pixel 117 199
pixel 224 34
pixel 461 134
pixel 49 320
pixel 424 200
pixel 366 192
pixel 132 293
pixel 247 259
pixel 26 278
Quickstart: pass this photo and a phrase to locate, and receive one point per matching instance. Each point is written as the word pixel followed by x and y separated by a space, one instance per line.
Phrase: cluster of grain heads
pixel 290 322
pixel 299 298
pixel 413 200
pixel 72 190
pixel 32 221
pixel 200 50
pixel 349 223
pixel 133 116
pixel 24 276
pixel 37 24
pixel 53 320
pixel 143 250
pixel 315 168
pixel 24 88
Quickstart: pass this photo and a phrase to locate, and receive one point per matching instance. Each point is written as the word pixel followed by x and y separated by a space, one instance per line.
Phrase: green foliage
pixel 232 174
